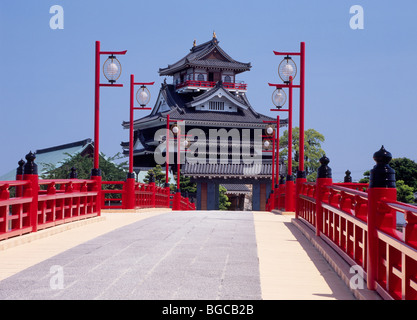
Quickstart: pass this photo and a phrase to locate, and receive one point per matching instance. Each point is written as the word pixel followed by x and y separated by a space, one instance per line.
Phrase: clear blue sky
pixel 360 84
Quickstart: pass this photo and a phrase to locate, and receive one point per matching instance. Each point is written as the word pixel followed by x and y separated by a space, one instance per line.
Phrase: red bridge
pixel 29 204
pixel 357 221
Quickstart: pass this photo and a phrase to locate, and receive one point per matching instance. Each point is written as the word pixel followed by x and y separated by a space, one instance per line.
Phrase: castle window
pixel 200 77
pixel 216 105
pixel 227 79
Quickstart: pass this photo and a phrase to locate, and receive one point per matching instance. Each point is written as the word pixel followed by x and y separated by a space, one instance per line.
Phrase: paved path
pixel 172 255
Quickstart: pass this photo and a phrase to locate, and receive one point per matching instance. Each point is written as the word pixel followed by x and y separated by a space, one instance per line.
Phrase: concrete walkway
pixel 169 255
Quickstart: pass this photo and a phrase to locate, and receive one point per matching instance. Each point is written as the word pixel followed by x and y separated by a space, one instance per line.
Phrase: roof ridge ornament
pixel 214 37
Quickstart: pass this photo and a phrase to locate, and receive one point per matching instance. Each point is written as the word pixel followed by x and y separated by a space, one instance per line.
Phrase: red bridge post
pixel 19 176
pixel 129 193
pixel 301 179
pixel 176 204
pixel 153 189
pixel 381 186
pixel 168 193
pixel 30 173
pixel 324 178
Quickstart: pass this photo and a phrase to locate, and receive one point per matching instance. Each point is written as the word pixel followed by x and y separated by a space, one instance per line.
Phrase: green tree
pixel 158 175
pixel 404 192
pixel 405 176
pixel 366 176
pixel 405 170
pixel 312 151
pixel 185 184
pixel 224 202
pixel 110 171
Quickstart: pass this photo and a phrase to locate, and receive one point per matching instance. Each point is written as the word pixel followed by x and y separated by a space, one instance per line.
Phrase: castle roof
pixel 206 55
pixel 180 107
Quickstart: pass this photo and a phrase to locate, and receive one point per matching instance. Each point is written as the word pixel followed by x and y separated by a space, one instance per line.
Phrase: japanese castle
pixel 206 97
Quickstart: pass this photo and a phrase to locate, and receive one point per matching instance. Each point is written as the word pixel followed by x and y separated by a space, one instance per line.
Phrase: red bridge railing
pixel 359 221
pixel 29 204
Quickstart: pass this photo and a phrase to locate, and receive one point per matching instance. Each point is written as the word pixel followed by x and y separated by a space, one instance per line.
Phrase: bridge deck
pixel 169 255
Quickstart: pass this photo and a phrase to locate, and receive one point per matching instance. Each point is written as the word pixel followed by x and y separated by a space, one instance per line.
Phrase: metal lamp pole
pixel 275 156
pixel 177 134
pixel 301 174
pixel 143 100
pixel 112 73
pixel 301 86
pixel 289 202
pixel 96 170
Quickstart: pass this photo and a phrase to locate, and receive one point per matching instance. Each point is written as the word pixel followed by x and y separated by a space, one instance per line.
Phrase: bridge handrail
pixel 14 183
pixel 343 222
pixel 77 200
pixel 349 189
pixel 359 221
pixel 64 181
pixel 29 204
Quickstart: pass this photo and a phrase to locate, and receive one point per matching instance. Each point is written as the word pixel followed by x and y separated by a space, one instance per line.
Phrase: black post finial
pixel 19 170
pixel 382 175
pixel 95 172
pixel 30 167
pixel 347 178
pixel 324 170
pixel 301 174
pixel 73 173
pixel 151 177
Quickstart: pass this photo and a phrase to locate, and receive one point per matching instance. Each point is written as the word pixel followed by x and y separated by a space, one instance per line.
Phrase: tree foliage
pixel 405 177
pixel 405 170
pixel 159 176
pixel 185 185
pixel 312 151
pixel 404 192
pixel 110 171
pixel 224 202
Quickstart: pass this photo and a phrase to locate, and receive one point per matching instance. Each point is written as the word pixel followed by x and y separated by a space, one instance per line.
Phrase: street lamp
pixel 176 131
pixel 267 145
pixel 272 142
pixel 112 70
pixel 279 98
pixel 143 97
pixel 289 199
pixel 287 71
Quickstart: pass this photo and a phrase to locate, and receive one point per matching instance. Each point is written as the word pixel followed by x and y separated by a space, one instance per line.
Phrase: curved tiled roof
pixel 179 110
pixel 195 59
pixel 227 169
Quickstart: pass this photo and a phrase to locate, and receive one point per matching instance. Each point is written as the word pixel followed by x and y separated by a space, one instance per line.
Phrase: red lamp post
pixel 177 136
pixel 271 132
pixel 112 71
pixel 143 97
pixel 287 71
